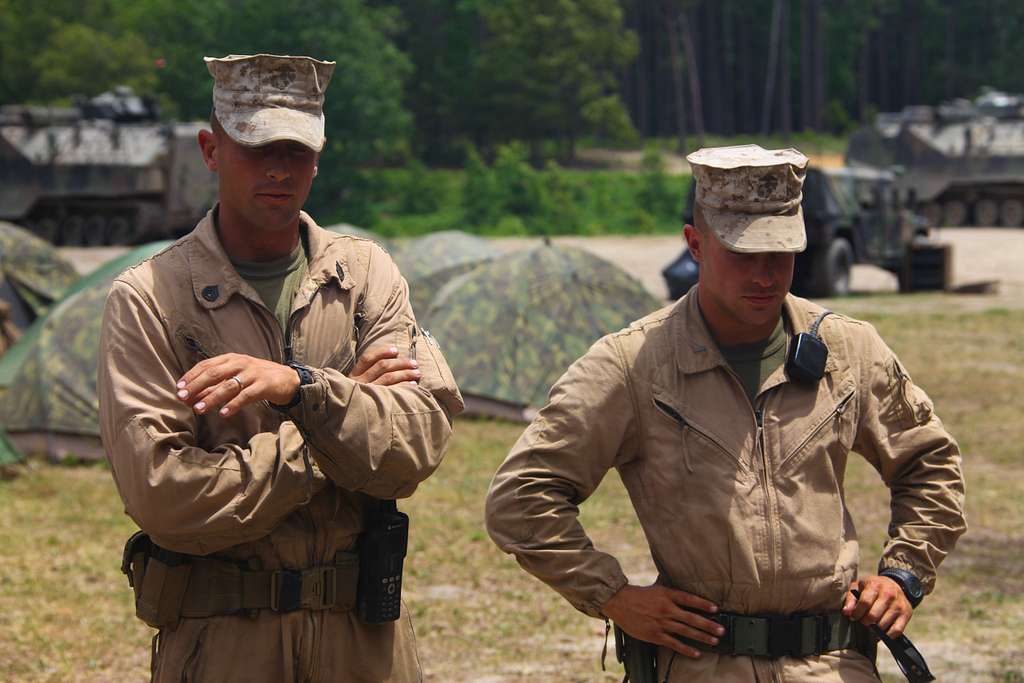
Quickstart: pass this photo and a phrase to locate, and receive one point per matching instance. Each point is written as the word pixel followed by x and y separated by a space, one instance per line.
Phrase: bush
pixel 657 196
pixel 420 191
pixel 480 201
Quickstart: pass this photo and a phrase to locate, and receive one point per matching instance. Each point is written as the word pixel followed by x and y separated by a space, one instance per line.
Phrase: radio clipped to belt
pixel 382 549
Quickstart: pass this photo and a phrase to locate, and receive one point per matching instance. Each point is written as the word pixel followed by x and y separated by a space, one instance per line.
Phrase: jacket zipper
pixel 195 346
pixel 839 410
pixel 773 550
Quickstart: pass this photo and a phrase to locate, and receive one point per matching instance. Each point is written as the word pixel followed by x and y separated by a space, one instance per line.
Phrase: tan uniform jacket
pixel 278 488
pixel 747 512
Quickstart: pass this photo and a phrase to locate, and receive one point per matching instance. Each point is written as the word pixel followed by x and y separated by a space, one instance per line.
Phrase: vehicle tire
pixel 47 228
pixel 831 269
pixel 954 213
pixel 1011 213
pixel 119 231
pixel 932 212
pixel 72 232
pixel 95 230
pixel 986 213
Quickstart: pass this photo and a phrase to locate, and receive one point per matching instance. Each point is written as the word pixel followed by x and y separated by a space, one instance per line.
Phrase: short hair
pixel 218 129
pixel 699 220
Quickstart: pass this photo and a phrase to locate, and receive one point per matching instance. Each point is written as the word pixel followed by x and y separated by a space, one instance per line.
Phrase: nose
pixel 278 171
pixel 278 167
pixel 764 271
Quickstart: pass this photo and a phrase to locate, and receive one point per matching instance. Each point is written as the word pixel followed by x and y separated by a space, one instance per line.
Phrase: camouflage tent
pixel 32 274
pixel 428 262
pixel 511 327
pixel 48 398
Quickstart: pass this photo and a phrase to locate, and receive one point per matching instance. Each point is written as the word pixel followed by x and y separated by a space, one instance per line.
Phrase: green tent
pixel 48 398
pixel 32 274
pixel 428 262
pixel 511 327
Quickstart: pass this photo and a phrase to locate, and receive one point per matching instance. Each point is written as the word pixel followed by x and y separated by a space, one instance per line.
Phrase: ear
pixel 316 169
pixel 693 242
pixel 208 146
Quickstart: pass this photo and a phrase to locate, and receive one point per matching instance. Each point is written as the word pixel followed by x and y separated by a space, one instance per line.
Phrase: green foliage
pixel 534 83
pixel 657 197
pixel 479 197
pixel 420 191
pixel 512 198
pixel 82 60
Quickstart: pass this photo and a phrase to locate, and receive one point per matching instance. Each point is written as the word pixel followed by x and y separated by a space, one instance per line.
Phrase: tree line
pixel 433 78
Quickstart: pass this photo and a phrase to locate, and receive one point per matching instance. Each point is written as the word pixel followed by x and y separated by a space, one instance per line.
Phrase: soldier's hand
pixel 658 614
pixel 381 365
pixel 881 602
pixel 232 381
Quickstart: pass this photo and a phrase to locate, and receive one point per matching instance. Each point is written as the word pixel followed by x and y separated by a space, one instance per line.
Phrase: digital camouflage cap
pixel 259 99
pixel 750 196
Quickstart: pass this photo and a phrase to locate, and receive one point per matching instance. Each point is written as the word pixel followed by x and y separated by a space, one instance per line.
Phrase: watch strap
pixel 305 377
pixel 910 584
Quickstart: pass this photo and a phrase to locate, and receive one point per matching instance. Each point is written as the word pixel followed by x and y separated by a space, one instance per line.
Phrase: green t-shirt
pixel 753 363
pixel 278 281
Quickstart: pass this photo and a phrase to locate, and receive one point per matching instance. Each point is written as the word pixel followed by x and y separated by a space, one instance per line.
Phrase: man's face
pixel 741 295
pixel 265 186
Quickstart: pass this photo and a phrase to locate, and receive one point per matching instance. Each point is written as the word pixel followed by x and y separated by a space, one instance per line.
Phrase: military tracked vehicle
pixel 852 215
pixel 105 171
pixel 961 163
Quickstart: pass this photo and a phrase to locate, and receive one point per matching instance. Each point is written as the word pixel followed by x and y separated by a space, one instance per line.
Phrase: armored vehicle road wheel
pixel 48 228
pixel 986 213
pixel 932 213
pixel 72 233
pixel 954 213
pixel 95 230
pixel 831 269
pixel 119 231
pixel 1011 213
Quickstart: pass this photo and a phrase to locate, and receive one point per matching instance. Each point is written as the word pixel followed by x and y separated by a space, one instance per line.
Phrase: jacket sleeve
pixel 187 498
pixel 532 509
pixel 902 437
pixel 382 440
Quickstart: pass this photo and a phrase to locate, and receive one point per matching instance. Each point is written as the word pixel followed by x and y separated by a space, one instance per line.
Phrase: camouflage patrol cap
pixel 261 99
pixel 750 197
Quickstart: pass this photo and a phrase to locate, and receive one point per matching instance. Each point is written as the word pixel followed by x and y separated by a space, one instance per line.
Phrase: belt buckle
pixel 319 587
pixel 285 590
pixel 750 635
pixel 784 636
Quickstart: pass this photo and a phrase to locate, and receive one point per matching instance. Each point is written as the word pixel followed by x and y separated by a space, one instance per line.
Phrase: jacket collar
pixel 695 348
pixel 215 280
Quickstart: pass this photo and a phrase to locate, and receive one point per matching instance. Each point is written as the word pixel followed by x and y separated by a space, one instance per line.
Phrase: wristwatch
pixel 305 377
pixel 910 584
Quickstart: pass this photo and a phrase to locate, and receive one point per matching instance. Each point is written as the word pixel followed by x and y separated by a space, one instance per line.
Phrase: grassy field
pixel 65 611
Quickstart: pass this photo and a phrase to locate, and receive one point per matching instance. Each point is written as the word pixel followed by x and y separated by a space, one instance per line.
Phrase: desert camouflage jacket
pixel 281 488
pixel 742 504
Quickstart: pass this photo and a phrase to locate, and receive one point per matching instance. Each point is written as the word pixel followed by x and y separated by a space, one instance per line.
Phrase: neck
pixel 244 240
pixel 728 330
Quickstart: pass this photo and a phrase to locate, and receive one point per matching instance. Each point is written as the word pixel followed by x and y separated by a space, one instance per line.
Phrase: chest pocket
pixel 687 466
pixel 830 429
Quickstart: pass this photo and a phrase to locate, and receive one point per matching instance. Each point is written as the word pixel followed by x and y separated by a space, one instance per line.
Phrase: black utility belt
pixel 169 585
pixel 795 635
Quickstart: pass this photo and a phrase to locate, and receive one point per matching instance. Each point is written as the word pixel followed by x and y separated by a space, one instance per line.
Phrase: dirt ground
pixel 979 254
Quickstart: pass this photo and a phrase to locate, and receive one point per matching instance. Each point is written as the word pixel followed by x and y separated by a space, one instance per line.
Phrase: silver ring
pixel 239 380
